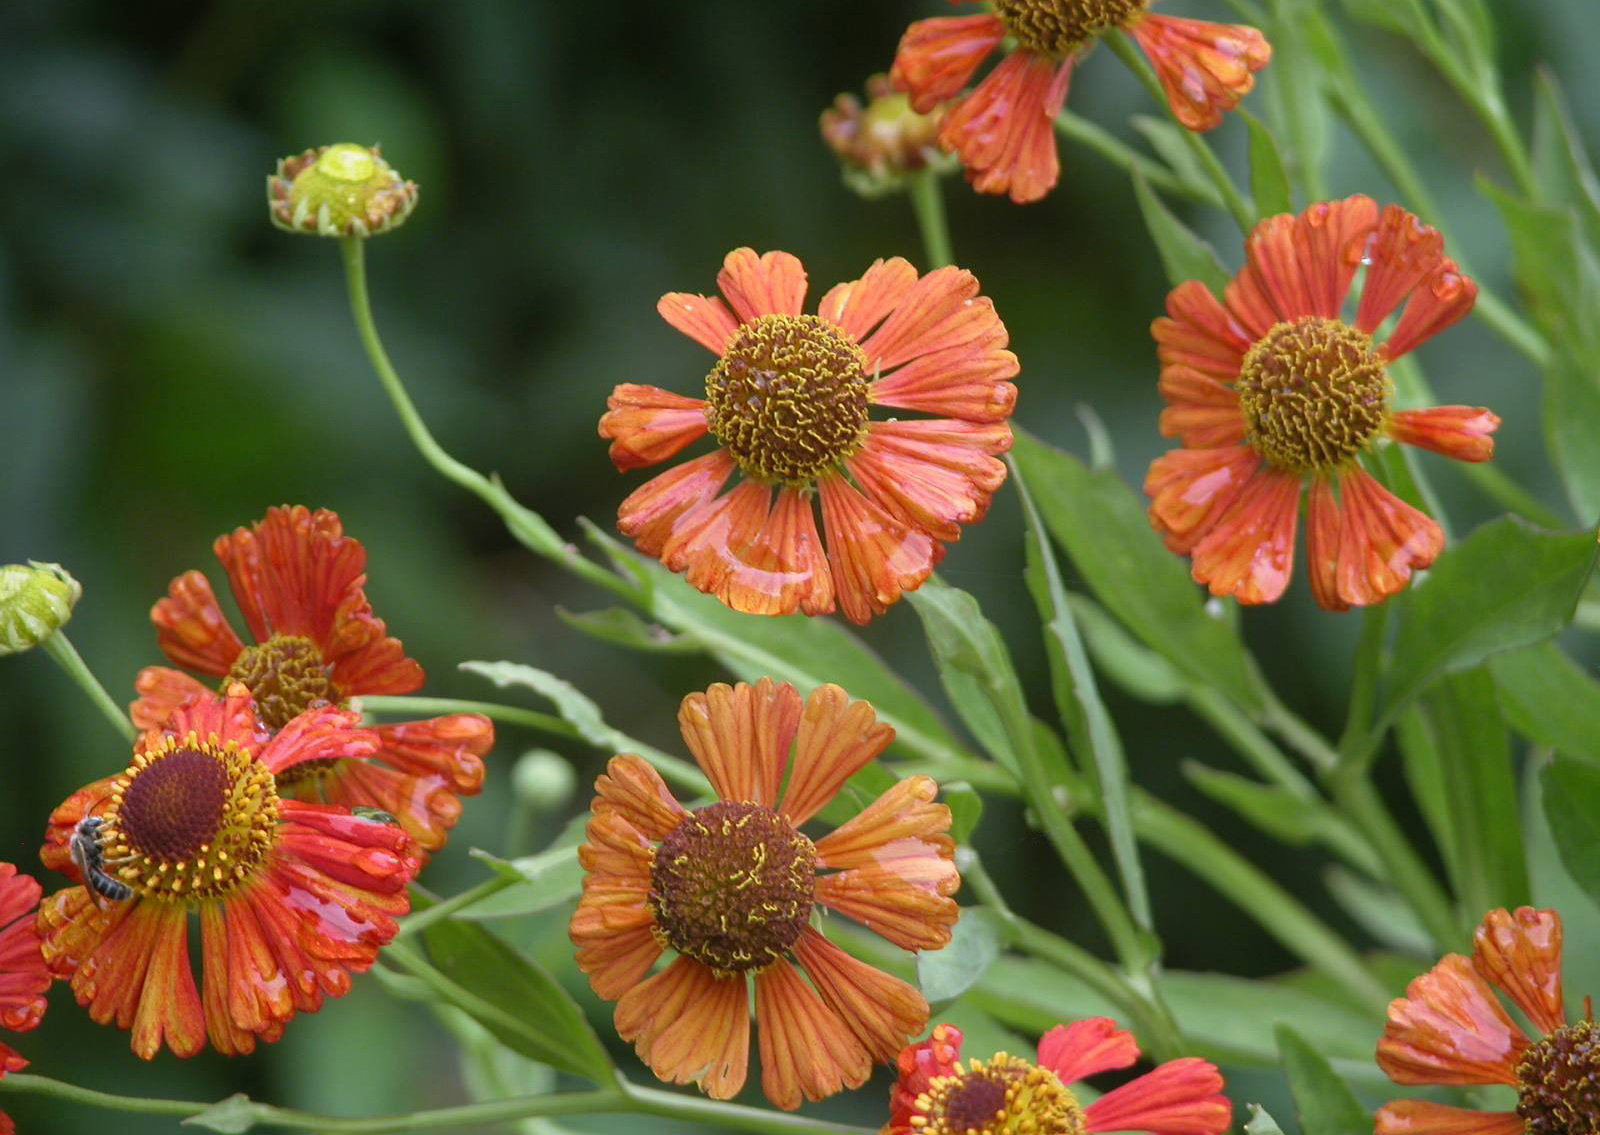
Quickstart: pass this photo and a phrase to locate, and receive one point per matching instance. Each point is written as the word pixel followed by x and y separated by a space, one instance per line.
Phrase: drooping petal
pixel 424 804
pixel 834 738
pixel 244 994
pixel 772 283
pixel 652 512
pixel 874 557
pixel 1200 333
pixel 366 864
pixel 807 1050
pixel 191 628
pixel 901 901
pixel 937 493
pixel 1445 298
pixel 1450 1029
pixel 1463 432
pixel 613 928
pixel 881 1010
pixel 1087 1048
pixel 1324 533
pixel 1191 490
pixel 647 424
pixel 740 736
pixel 858 306
pixel 937 57
pixel 1382 541
pixel 1004 130
pixel 718 547
pixel 904 823
pixel 968 383
pixel 705 319
pixel 24 977
pixel 1403 253
pixel 1249 551
pixel 690 1026
pixel 161 690
pixel 1424 1117
pixel 1520 951
pixel 323 733
pixel 1205 68
pixel 452 747
pixel 231 717
pixel 1180 1097
pixel 632 789
pixel 1300 265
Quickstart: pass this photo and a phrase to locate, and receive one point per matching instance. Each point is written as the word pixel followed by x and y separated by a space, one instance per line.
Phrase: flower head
pixel 938 1094
pixel 299 580
pixel 879 143
pixel 1273 387
pixel 292 897
pixel 36 600
pixel 1004 129
pixel 24 978
pixel 340 190
pixel 731 888
pixel 1450 1028
pixel 788 400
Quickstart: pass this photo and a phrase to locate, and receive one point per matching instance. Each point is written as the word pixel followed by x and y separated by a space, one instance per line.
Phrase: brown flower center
pixel 1558 1083
pixel 285 675
pixel 1060 27
pixel 999 1096
pixel 788 398
pixel 732 886
pixel 1314 394
pixel 189 819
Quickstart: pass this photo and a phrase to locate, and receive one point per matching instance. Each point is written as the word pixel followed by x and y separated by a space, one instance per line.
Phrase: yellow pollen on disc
pixel 788 398
pixel 732 886
pixel 190 820
pixel 1314 393
pixel 1059 27
pixel 1558 1082
pixel 1003 1095
pixel 285 676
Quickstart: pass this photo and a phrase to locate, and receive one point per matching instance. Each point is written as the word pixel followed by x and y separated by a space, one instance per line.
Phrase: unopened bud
pixel 880 143
pixel 340 190
pixel 543 780
pixel 36 600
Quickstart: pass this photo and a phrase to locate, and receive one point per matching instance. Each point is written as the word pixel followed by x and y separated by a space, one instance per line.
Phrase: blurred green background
pixel 170 365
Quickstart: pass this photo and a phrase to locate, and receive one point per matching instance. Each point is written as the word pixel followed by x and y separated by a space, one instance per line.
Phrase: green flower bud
pixel 340 190
pixel 543 780
pixel 36 600
pixel 881 143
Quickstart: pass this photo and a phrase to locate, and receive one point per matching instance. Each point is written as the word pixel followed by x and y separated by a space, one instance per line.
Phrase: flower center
pixel 1060 27
pixel 1314 393
pixel 732 886
pixel 1000 1096
pixel 1558 1082
pixel 285 675
pixel 189 820
pixel 788 398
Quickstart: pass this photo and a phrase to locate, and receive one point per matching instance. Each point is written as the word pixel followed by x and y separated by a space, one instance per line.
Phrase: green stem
pixel 67 656
pixel 510 714
pixel 1506 493
pixel 734 1117
pixel 1243 212
pixel 425 917
pixel 1403 867
pixel 927 201
pixel 1119 153
pixel 1247 739
pixel 1369 661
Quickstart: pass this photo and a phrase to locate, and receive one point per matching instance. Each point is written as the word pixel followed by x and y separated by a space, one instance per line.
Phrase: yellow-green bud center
pixel 788 398
pixel 999 1096
pixel 1314 394
pixel 1558 1083
pixel 1059 27
pixel 340 190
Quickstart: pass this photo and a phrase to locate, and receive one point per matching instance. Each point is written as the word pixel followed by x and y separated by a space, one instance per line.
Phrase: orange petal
pixel 807 1051
pixel 1520 951
pixel 452 746
pixel 1302 265
pixel 1249 551
pixel 1445 298
pixel 969 383
pixel 1403 253
pixel 1180 1097
pixel 244 992
pixel 1199 332
pixel 860 305
pixel 24 976
pixel 56 853
pixel 633 790
pixel 705 319
pixel 1201 410
pixel 773 283
pixel 617 855
pixel 1087 1048
pixel 323 733
pixel 937 496
pixel 1205 68
pixel 652 512
pixel 942 310
pixel 426 804
pixel 937 57
pixel 1324 530
pixel 1463 432
pixel 902 900
pixel 756 559
pixel 903 823
pixel 647 424
pixel 690 1026
pixel 1382 540
pixel 874 557
pixel 918 1066
pixel 740 735
pixel 161 690
pixel 1004 130
pixel 1191 490
pixel 191 628
pixel 882 1011
pixel 1424 1117
pixel 837 737
pixel 232 717
pixel 1450 1029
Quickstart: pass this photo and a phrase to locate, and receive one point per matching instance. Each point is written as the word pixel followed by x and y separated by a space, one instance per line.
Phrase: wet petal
pixel 1205 68
pixel 1004 130
pixel 647 425
pixel 740 736
pixel 1450 1029
pixel 1520 951
pixel 937 57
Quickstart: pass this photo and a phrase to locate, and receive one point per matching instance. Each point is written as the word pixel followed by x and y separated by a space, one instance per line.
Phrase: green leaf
pixel 1185 256
pixel 1553 884
pixel 1167 139
pixel 1294 820
pixel 514 999
pixel 1102 525
pixel 549 879
pixel 1425 774
pixel 1379 910
pixel 1505 586
pixel 1135 669
pixel 975 944
pixel 236 1114
pixel 966 809
pixel 1561 164
pixel 1408 17
pixel 1572 805
pixel 1261 1122
pixel 1325 1103
pixel 624 627
pixel 1269 181
pixel 1550 700
pixel 1571 416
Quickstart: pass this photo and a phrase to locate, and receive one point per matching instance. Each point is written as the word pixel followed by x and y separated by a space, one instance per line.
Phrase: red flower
pixel 788 402
pixel 1272 387
pixel 292 897
pixel 24 978
pixel 1450 1028
pixel 299 581
pixel 1004 129
pixel 937 1094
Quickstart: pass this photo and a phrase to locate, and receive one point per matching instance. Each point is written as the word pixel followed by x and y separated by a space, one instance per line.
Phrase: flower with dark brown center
pixel 286 675
pixel 1059 27
pixel 1558 1082
pixel 1001 1096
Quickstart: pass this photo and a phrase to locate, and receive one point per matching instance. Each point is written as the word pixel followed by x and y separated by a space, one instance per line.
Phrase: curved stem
pixel 67 656
pixel 670 1105
pixel 927 201
pixel 1119 153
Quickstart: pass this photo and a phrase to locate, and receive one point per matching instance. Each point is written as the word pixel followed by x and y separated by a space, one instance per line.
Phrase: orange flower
pixel 1273 387
pixel 731 888
pixel 299 581
pixel 292 897
pixel 1004 129
pixel 787 400
pixel 1450 1028
pixel 24 979
pixel 936 1095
